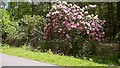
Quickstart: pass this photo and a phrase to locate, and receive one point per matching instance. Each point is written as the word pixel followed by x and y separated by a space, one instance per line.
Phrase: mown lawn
pixel 47 57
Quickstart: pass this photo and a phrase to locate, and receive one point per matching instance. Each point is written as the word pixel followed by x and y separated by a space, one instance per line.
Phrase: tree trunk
pixel 110 22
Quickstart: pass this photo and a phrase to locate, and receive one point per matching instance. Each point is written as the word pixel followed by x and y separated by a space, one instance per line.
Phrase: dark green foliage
pixel 107 53
pixel 117 38
pixel 19 9
pixel 32 26
pixel 24 30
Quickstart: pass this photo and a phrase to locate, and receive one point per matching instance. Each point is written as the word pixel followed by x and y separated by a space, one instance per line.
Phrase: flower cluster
pixel 65 19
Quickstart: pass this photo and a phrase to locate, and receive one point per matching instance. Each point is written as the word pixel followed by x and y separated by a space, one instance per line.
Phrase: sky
pixel 6 1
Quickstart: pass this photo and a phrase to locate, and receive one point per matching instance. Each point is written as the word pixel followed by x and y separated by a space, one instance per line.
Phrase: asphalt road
pixel 8 60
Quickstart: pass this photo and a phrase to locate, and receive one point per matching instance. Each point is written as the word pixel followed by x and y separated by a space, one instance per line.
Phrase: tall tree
pixel 19 9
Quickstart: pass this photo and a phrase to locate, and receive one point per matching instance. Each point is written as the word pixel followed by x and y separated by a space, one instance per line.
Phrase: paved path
pixel 8 60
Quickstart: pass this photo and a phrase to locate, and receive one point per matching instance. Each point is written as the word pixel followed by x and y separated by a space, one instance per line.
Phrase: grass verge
pixel 47 57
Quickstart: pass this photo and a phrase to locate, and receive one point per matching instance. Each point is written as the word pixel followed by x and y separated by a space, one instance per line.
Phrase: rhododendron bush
pixel 69 22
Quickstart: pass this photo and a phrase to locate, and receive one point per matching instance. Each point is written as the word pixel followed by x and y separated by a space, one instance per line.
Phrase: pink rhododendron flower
pixel 52 16
pixel 59 2
pixel 96 17
pixel 88 24
pixel 64 2
pixel 65 11
pixel 63 32
pixel 80 28
pixel 72 23
pixel 75 13
pixel 79 16
pixel 77 24
pixel 81 13
pixel 56 12
pixel 74 18
pixel 70 16
pixel 76 6
pixel 69 5
pixel 73 26
pixel 56 27
pixel 59 31
pixel 96 34
pixel 54 7
pixel 85 27
pixel 64 7
pixel 102 23
pixel 86 12
pixel 103 32
pixel 82 10
pixel 88 31
pixel 97 29
pixel 66 24
pixel 67 36
pixel 69 28
pixel 83 23
pixel 73 10
pixel 86 7
pixel 48 15
pixel 100 36
pixel 63 19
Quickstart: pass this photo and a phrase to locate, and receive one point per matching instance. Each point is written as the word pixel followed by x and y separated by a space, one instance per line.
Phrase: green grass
pixel 47 57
